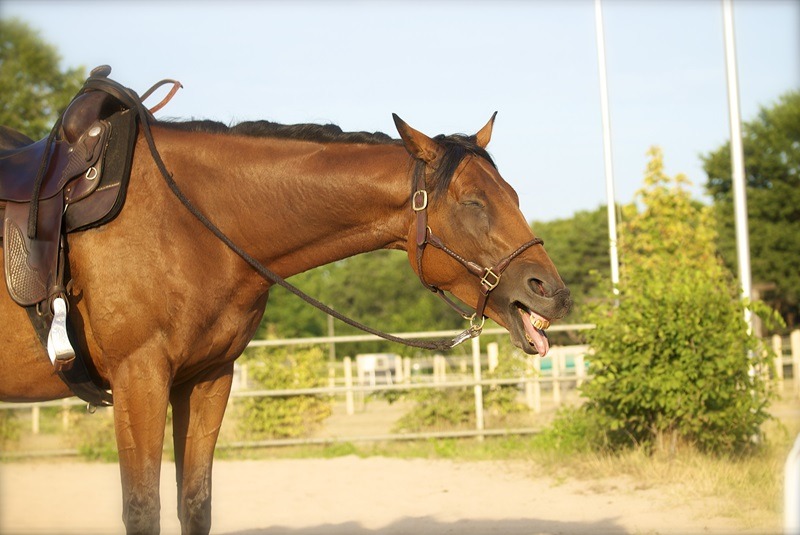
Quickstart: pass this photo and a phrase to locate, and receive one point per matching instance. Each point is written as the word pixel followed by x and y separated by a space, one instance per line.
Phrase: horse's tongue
pixel 536 336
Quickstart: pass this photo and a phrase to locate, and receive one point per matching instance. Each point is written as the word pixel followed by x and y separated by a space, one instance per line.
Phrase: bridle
pixel 489 276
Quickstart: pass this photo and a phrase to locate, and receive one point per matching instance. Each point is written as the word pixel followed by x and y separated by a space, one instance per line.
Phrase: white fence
pixel 544 379
pixel 563 366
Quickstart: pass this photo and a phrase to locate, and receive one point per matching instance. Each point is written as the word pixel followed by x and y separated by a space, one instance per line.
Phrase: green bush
pixel 674 360
pixel 93 436
pixel 438 410
pixel 9 427
pixel 285 417
pixel 455 407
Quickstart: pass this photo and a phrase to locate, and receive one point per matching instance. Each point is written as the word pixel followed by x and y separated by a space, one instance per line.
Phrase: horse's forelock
pixel 456 148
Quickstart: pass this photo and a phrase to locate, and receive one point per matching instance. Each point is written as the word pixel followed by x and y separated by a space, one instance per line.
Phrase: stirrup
pixel 59 348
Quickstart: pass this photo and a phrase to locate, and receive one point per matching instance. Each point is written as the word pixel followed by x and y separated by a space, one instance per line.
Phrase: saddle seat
pixel 77 148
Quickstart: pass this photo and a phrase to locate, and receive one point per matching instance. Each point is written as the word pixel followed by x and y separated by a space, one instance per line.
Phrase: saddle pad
pixel 107 199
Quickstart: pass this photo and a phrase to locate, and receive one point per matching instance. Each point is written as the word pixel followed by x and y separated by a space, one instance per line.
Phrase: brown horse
pixel 163 308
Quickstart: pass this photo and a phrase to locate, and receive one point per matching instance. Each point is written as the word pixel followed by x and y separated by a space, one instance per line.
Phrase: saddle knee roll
pixel 31 264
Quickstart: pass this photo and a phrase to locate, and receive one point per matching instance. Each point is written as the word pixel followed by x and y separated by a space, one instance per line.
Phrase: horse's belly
pixel 27 374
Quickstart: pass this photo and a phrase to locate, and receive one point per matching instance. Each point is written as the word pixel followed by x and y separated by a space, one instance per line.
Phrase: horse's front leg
pixel 141 386
pixel 197 410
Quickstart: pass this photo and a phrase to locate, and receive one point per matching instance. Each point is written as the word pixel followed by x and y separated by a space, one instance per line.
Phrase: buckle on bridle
pixel 490 280
pixel 418 204
pixel 473 331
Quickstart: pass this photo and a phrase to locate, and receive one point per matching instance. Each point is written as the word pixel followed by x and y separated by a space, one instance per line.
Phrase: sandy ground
pixel 355 496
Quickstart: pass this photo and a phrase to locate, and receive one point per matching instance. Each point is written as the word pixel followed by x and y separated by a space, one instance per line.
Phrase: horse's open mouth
pixel 534 326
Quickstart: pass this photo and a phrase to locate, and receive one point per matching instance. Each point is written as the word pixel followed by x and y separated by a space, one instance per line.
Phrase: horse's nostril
pixel 537 286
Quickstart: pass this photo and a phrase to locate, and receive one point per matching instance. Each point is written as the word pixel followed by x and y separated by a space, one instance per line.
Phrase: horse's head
pixel 470 238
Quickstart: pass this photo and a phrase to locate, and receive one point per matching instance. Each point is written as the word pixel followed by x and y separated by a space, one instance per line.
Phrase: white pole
pixel 609 168
pixel 478 389
pixel 737 159
pixel 348 382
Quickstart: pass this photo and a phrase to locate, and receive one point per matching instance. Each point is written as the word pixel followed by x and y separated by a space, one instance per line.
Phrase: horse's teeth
pixel 539 323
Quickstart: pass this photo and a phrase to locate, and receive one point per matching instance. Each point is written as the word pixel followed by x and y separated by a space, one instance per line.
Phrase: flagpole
pixel 737 160
pixel 609 168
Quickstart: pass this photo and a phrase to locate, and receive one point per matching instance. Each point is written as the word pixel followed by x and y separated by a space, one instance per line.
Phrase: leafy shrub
pixel 455 407
pixel 93 435
pixel 9 427
pixel 674 360
pixel 439 410
pixel 285 417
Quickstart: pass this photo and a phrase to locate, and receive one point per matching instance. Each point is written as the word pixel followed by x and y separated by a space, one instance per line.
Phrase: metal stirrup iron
pixel 59 348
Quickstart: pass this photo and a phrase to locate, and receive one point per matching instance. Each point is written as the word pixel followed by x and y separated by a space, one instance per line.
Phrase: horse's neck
pixel 298 205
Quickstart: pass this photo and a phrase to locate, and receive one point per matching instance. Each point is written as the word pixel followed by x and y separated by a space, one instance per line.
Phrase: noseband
pixel 489 276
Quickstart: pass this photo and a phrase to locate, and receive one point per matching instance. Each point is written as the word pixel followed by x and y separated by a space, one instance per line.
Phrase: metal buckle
pixel 475 327
pixel 486 279
pixel 418 207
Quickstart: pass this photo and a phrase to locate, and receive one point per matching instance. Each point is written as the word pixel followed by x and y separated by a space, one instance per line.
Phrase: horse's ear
pixel 417 144
pixel 485 134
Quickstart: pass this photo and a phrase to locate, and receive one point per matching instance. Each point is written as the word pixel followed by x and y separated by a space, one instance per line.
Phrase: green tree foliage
pixel 34 88
pixel 672 360
pixel 772 166
pixel 9 427
pixel 285 417
pixel 579 248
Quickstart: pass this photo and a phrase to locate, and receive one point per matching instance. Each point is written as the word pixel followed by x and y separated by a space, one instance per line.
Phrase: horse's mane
pixel 456 146
pixel 322 133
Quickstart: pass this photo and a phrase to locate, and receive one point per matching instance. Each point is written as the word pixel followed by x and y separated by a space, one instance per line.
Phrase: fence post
pixel 777 348
pixel 493 353
pixel 35 419
pixel 348 383
pixel 580 369
pixel 244 377
pixel 794 340
pixel 64 414
pixel 533 388
pixel 398 370
pixel 437 369
pixel 478 389
pixel 407 369
pixel 556 373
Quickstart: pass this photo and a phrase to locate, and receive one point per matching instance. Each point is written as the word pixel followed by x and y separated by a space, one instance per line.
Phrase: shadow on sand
pixel 427 525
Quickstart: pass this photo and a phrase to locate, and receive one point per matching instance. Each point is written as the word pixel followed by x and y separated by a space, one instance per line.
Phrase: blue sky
pixel 445 66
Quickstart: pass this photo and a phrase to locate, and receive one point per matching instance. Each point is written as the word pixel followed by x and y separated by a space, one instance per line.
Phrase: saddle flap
pixel 31 264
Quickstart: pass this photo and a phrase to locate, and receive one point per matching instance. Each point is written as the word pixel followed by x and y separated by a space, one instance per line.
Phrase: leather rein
pixel 489 277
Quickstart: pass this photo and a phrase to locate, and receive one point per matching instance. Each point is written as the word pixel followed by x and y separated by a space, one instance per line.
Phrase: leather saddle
pixel 73 180
pixel 77 191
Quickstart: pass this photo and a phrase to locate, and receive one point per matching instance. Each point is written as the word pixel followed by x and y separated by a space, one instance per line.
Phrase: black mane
pixel 322 133
pixel 456 146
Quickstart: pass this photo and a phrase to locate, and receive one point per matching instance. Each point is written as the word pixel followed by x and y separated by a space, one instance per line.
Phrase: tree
pixel 578 246
pixel 35 91
pixel 672 361
pixel 772 165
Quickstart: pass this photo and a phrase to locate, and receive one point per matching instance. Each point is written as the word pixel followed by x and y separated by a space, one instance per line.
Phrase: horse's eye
pixel 472 203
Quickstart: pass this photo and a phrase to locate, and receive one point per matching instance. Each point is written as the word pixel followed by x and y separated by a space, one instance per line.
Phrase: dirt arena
pixel 355 496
